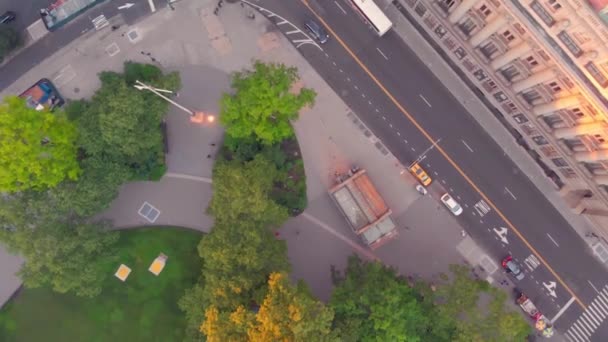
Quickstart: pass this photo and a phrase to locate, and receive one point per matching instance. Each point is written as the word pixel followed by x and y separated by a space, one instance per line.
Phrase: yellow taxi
pixel 420 174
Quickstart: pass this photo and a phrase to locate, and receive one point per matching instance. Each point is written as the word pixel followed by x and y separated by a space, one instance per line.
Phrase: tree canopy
pixel 263 105
pixel 458 302
pixel 287 313
pixel 38 148
pixel 121 123
pixel 371 303
pixel 237 258
pixel 69 257
pixel 241 192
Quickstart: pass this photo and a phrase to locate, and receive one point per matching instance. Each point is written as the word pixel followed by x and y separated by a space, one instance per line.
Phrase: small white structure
pixel 123 272
pixel 158 264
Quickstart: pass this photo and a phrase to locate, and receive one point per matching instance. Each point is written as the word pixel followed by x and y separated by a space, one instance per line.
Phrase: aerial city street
pixel 418 169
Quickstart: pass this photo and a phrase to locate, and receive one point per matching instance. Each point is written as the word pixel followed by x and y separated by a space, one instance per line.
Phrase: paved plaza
pixel 205 49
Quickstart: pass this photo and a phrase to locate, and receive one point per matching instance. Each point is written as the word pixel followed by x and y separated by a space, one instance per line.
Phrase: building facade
pixel 543 64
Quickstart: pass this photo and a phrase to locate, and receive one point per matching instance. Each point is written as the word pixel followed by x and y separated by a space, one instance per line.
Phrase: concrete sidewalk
pixel 480 112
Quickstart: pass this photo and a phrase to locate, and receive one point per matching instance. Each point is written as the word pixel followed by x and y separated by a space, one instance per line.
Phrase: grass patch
pixel 144 308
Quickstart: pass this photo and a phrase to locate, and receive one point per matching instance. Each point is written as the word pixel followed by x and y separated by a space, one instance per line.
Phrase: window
pixel 532 62
pixel 595 168
pixel 599 139
pixel 542 13
pixel 489 49
pixel 510 72
pixel 560 162
pixel 540 140
pixel 508 36
pixel 485 11
pixel 570 43
pixel 574 144
pixel 554 4
pixel 577 112
pixel 446 4
pixel 468 26
pixel 552 120
pixel 568 172
pixel 555 87
pixel 597 74
pixel 531 95
pixel 520 118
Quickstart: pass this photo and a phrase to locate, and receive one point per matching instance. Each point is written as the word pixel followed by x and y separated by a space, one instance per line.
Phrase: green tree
pixel 237 259
pixel 9 40
pixel 459 303
pixel 371 303
pixel 263 105
pixel 68 257
pixel 241 192
pixel 121 123
pixel 287 313
pixel 38 147
pixel 191 303
pixel 94 190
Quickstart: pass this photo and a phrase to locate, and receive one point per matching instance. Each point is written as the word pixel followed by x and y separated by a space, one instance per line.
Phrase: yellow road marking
pixel 443 153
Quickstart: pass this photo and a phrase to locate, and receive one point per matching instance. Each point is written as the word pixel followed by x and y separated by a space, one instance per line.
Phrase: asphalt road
pixel 27 11
pixel 413 86
pixel 52 42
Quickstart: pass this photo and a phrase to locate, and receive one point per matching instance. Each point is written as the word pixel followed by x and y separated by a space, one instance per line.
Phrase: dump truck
pixel 366 212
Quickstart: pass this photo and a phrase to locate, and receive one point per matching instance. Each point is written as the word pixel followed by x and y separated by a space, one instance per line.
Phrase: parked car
pixel 317 30
pixel 7 17
pixel 420 174
pixel 512 267
pixel 451 204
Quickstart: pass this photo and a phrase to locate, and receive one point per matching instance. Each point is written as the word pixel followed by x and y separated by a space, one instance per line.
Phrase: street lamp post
pixel 195 116
pixel 423 154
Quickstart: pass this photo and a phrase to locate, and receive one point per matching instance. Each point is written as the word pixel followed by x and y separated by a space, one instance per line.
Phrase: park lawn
pixel 144 308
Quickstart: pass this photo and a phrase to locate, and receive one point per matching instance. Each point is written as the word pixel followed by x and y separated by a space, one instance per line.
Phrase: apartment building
pixel 543 64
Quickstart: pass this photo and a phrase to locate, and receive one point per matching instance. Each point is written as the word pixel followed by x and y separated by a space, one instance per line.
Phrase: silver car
pixel 451 204
pixel 512 267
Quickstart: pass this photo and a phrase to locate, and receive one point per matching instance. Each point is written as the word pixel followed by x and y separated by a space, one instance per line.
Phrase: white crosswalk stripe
pixel 596 311
pixel 590 320
pixel 482 208
pixel 584 328
pixel 100 22
pixel 576 331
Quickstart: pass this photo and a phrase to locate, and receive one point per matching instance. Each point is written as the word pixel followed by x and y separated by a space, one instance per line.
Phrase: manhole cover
pixel 133 35
pixel 601 251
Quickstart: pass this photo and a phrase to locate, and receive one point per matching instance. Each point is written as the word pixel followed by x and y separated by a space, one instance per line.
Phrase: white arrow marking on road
pixel 551 288
pixel 502 234
pixel 125 6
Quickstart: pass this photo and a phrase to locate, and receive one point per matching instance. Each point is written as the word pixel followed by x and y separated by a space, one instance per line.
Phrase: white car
pixel 451 204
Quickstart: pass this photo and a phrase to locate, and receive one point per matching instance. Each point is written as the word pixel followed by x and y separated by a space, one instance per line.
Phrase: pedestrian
pixel 208 156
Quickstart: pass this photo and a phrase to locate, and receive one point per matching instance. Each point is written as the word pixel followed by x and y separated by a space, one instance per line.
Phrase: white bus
pixel 374 16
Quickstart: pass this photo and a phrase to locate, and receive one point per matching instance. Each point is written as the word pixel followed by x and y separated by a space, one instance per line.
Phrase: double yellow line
pixel 443 153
